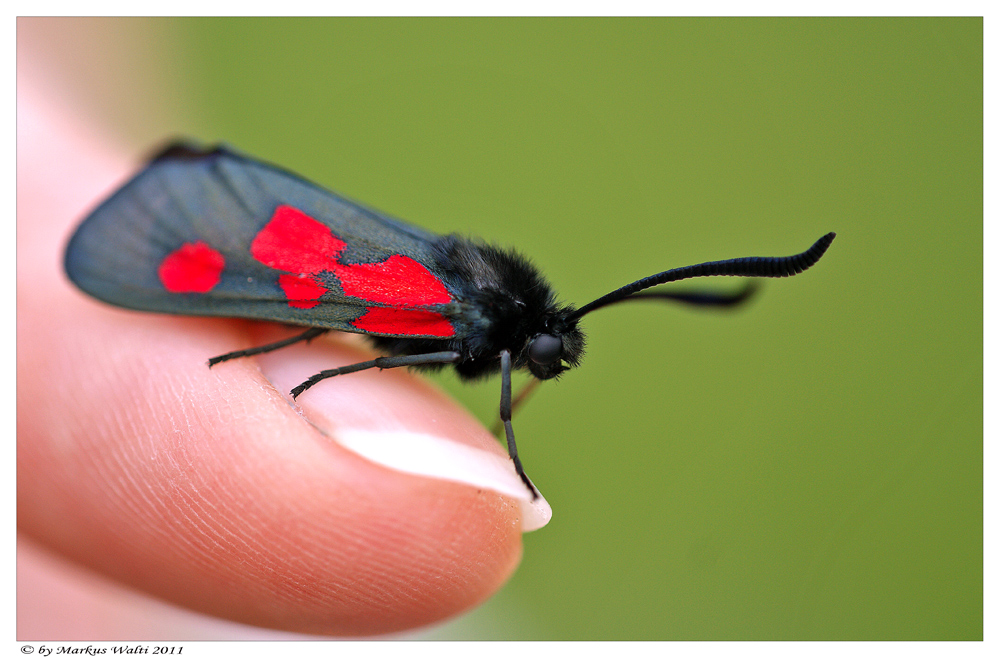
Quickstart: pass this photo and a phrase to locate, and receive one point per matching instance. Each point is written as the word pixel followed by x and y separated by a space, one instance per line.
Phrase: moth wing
pixel 214 203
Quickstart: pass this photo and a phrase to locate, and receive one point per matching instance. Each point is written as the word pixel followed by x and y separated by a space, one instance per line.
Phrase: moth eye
pixel 545 349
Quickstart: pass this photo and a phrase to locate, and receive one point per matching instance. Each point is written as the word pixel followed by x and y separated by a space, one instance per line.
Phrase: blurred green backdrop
pixel 808 468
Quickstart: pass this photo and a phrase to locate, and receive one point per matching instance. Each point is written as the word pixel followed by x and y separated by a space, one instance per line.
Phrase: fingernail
pixel 392 420
pixel 438 457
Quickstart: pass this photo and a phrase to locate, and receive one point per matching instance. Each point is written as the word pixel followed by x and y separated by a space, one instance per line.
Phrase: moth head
pixel 556 348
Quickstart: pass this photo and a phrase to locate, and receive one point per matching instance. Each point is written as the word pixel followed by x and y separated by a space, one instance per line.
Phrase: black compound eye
pixel 545 349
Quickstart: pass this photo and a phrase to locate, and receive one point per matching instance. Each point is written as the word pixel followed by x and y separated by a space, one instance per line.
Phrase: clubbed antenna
pixel 753 266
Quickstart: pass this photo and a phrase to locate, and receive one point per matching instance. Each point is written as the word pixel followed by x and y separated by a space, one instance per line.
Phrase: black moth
pixel 213 232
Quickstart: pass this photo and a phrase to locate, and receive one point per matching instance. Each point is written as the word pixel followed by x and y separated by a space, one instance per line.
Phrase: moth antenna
pixel 701 298
pixel 754 266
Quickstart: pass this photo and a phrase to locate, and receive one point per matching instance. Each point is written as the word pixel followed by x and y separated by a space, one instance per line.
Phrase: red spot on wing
pixel 292 241
pixel 301 290
pixel 295 242
pixel 193 267
pixel 404 322
pixel 397 280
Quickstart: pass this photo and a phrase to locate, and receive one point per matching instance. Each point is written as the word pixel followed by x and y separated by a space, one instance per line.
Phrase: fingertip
pixel 399 421
pixel 210 489
pixel 207 487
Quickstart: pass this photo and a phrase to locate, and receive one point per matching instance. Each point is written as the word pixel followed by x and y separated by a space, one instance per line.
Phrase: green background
pixel 807 468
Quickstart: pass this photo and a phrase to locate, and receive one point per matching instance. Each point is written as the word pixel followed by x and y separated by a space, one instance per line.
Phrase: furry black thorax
pixel 502 303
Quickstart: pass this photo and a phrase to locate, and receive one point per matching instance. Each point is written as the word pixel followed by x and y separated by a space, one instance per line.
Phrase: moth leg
pixel 382 363
pixel 505 413
pixel 522 396
pixel 270 347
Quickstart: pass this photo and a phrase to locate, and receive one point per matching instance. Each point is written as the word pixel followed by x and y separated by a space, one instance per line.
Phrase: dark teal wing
pixel 213 232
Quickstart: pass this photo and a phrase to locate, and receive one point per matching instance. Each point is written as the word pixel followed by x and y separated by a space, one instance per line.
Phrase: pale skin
pixel 207 488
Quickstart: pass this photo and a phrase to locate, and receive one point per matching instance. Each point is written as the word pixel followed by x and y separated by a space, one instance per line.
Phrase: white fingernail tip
pixel 436 457
pixel 385 438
